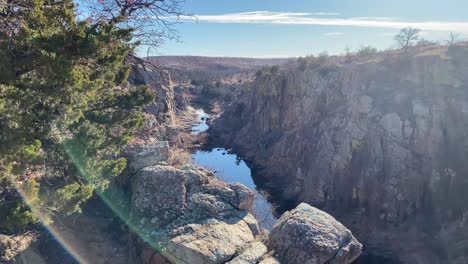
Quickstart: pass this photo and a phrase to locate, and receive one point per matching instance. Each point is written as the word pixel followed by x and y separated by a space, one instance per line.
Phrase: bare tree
pixel 453 39
pixel 407 37
pixel 153 21
pixel 347 51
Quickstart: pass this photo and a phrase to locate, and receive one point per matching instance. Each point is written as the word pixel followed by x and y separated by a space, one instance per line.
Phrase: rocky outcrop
pixel 159 195
pixel 141 156
pixel 212 241
pixel 190 215
pixel 307 235
pixel 381 144
pixel 160 81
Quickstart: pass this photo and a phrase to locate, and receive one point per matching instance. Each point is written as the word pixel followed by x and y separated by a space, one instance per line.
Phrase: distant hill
pixel 187 68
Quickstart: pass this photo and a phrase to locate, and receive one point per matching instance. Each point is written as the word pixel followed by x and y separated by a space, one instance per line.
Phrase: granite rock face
pixel 159 194
pixel 192 215
pixel 251 255
pixel 381 144
pixel 213 241
pixel 307 235
pixel 141 156
pixel 163 108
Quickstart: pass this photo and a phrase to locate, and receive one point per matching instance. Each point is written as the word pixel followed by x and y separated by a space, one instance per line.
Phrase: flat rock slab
pixel 143 156
pixel 210 243
pixel 251 255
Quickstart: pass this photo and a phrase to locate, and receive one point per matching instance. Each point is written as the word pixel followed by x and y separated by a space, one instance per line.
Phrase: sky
pixel 292 28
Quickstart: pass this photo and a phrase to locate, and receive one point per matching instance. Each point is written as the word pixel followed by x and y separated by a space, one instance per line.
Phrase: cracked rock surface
pixel 307 235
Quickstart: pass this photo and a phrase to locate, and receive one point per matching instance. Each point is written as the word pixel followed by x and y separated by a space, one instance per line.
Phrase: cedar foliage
pixel 65 108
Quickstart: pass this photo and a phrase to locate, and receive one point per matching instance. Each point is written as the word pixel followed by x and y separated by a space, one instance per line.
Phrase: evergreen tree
pixel 65 108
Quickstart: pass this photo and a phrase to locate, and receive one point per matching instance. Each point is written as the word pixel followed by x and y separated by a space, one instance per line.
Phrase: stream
pixel 231 168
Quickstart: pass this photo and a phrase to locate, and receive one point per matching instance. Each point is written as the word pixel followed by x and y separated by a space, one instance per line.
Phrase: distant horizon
pixel 275 29
pixel 465 42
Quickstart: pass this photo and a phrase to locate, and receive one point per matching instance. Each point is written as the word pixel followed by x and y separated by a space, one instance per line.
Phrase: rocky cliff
pixel 185 214
pixel 380 143
pixel 159 212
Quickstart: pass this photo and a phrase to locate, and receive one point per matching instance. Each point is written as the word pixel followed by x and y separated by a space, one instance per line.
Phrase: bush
pixel 322 58
pixel 274 69
pixel 258 73
pixel 425 42
pixel 210 91
pixel 19 218
pixel 367 52
pixel 302 64
pixel 328 69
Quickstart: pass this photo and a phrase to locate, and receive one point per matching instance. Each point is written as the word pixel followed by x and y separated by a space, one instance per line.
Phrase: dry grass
pixel 179 157
pixel 216 109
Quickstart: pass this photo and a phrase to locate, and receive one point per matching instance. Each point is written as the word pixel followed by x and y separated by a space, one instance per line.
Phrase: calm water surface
pixel 231 168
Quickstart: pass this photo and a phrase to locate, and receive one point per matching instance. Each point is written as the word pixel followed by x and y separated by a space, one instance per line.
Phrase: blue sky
pixel 300 27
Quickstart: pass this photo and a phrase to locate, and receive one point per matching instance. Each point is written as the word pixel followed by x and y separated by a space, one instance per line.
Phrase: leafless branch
pixel 453 39
pixel 407 37
pixel 153 21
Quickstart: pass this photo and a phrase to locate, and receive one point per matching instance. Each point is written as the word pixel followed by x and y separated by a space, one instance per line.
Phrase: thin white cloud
pixel 291 18
pixel 325 14
pixel 333 34
pixel 375 18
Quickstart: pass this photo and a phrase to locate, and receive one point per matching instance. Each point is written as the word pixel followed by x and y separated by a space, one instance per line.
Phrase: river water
pixel 231 168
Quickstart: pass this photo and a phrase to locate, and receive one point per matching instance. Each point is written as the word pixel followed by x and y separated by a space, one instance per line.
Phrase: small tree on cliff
pixel 407 37
pixel 453 39
pixel 65 108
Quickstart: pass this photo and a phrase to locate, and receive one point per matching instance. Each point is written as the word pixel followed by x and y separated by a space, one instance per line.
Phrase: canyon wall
pixel 380 143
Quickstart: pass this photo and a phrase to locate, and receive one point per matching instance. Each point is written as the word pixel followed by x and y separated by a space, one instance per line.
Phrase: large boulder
pixel 244 196
pixel 188 216
pixel 235 194
pixel 213 241
pixel 307 235
pixel 141 156
pixel 159 195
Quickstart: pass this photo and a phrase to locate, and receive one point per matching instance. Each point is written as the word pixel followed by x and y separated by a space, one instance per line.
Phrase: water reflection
pixel 201 125
pixel 231 168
